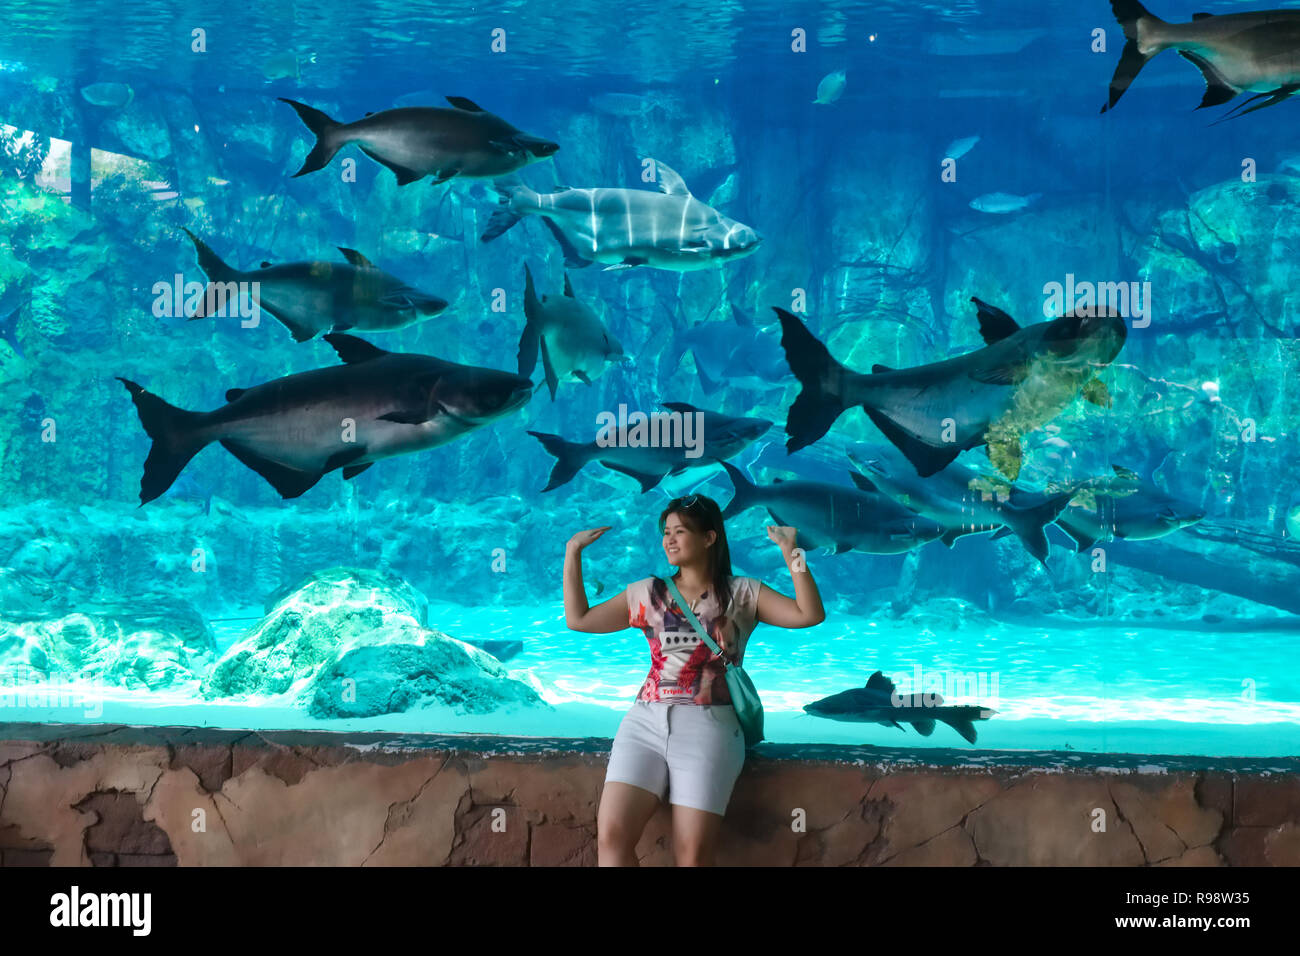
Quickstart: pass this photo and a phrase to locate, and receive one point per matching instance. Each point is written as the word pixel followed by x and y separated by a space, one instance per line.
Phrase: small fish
pixel 960 147
pixel 1002 203
pixel 113 95
pixel 875 703
pixel 625 105
pixel 831 88
pixel 286 66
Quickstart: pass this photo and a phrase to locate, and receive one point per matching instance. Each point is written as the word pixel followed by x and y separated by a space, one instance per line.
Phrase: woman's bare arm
pixel 604 618
pixel 805 610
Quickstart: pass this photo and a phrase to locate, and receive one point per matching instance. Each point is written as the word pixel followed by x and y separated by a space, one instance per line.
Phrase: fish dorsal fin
pixel 568 287
pixel 777 481
pixel 1123 472
pixel 371 113
pixel 234 393
pixel 1201 16
pixel 880 682
pixel 682 407
pixel 670 182
pixel 878 368
pixel 463 104
pixel 265 264
pixel 356 258
pixel 995 325
pixel 352 349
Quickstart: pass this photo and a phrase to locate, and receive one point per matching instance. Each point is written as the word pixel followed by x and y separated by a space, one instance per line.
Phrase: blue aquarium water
pixel 1023 372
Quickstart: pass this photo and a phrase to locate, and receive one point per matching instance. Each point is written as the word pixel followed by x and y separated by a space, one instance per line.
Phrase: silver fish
pixel 309 298
pixel 831 88
pixel 419 141
pixel 574 343
pixel 1235 52
pixel 1003 203
pixel 290 430
pixel 960 147
pixel 668 229
pixel 112 95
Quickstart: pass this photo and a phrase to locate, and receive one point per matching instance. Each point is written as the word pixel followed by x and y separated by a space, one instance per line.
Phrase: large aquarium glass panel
pixel 323 330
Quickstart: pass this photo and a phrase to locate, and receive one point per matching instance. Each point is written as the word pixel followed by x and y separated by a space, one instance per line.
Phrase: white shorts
pixel 691 752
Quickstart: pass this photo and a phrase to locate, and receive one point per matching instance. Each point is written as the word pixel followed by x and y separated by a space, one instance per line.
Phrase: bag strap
pixel 690 616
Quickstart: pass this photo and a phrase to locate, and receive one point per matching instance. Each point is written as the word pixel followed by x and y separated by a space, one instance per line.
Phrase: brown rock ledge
pixel 113 795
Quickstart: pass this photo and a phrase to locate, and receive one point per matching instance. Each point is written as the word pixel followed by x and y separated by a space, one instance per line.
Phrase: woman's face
pixel 684 546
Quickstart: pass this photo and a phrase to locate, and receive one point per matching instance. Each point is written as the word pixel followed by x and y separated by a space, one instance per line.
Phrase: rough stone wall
pixel 171 796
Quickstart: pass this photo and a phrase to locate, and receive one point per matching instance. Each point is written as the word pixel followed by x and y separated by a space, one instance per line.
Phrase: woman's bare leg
pixel 624 811
pixel 695 836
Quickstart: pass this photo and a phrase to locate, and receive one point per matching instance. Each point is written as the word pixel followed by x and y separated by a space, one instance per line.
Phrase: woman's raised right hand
pixel 584 538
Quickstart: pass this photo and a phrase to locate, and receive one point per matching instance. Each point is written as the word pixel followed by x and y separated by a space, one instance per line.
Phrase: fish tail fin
pixel 528 342
pixel 515 200
pixel 746 495
pixel 1030 524
pixel 176 439
pixel 821 399
pixel 326 131
pixel 569 458
pixel 1138 25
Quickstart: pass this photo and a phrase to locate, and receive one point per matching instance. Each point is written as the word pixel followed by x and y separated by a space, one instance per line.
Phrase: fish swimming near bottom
pixel 721 436
pixel 293 430
pixel 875 704
pixel 309 298
pixel 835 517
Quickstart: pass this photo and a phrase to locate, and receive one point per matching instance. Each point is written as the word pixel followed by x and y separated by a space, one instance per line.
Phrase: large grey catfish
pixel 835 517
pixel 574 343
pixel 1020 380
pixel 314 297
pixel 1124 506
pixel 964 502
pixel 295 429
pixel 419 141
pixel 875 703
pixel 723 436
pixel 623 228
pixel 1235 52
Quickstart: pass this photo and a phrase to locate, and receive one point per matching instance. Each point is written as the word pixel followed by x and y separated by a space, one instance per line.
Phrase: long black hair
pixel 701 514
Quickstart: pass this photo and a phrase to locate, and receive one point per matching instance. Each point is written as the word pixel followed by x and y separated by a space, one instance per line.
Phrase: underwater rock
pixel 400 668
pixel 351 643
pixel 132 644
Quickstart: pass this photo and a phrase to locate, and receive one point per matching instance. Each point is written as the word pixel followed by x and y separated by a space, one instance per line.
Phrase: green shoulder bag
pixel 749 708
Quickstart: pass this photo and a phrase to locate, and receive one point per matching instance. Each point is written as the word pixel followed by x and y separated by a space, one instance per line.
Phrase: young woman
pixel 682 737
